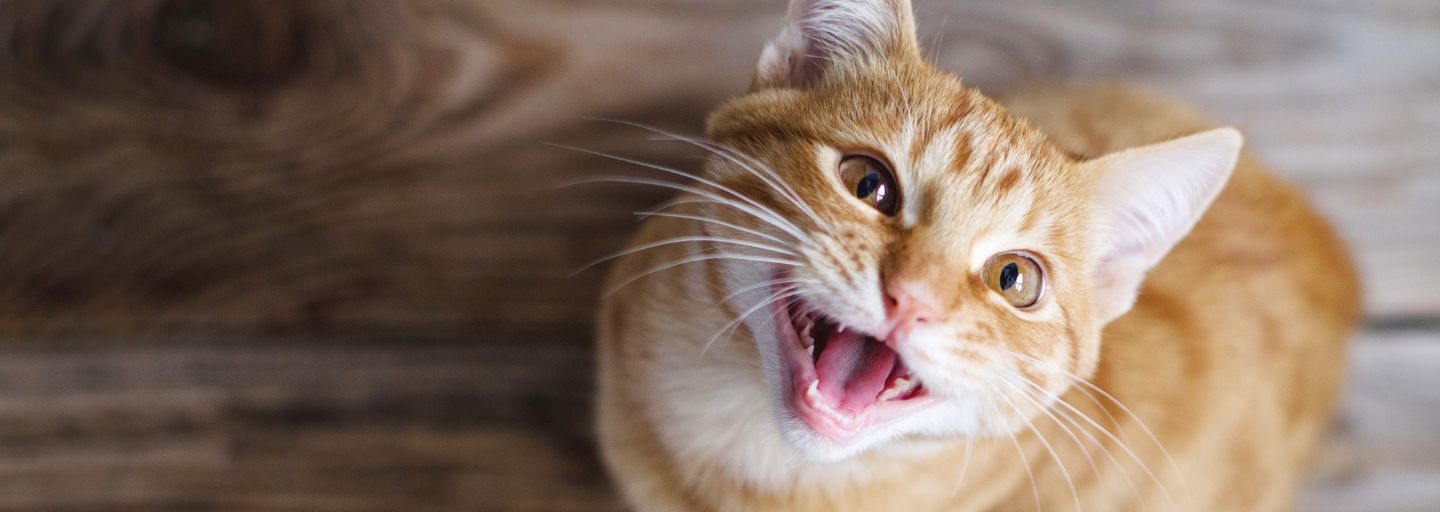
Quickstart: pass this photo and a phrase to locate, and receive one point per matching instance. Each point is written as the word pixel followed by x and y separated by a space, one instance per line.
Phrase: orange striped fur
pixel 1206 394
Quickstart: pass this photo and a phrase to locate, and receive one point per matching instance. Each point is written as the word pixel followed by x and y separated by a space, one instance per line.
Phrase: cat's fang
pixel 900 387
pixel 843 380
pixel 817 401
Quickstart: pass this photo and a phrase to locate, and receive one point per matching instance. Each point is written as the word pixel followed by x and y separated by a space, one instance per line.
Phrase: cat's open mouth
pixel 842 381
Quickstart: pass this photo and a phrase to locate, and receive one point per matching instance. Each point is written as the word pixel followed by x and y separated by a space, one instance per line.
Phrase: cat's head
pixel 944 271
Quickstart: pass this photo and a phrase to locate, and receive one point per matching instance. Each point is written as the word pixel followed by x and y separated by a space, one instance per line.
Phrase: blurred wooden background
pixel 309 256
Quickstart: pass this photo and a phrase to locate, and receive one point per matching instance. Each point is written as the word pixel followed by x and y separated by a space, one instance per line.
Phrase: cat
pixel 887 291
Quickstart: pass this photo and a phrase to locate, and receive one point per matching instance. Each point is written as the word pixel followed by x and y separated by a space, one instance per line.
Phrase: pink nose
pixel 908 303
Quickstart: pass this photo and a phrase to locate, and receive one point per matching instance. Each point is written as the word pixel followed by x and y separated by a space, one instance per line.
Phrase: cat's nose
pixel 908 303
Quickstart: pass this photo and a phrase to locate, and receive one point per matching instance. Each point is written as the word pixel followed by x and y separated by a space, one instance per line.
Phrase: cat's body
pixel 1230 359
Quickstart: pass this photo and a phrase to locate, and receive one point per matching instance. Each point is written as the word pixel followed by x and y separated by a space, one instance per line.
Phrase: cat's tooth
pixel 840 330
pixel 805 338
pixel 891 391
pixel 901 386
pixel 813 392
pixel 818 403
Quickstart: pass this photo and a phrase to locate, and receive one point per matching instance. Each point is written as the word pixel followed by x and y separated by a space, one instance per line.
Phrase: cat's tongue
pixel 853 370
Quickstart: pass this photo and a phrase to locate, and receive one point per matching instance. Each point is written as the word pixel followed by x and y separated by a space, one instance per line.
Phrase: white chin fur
pixel 748 429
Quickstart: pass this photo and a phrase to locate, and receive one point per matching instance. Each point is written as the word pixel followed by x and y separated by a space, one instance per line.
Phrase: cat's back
pixel 1249 314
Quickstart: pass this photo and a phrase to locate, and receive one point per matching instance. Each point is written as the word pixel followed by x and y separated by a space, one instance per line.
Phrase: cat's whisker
pixel 1132 456
pixel 765 171
pixel 935 45
pixel 790 284
pixel 1038 402
pixel 764 215
pixel 804 309
pixel 964 466
pixel 782 294
pixel 675 202
pixel 663 208
pixel 1029 473
pixel 764 284
pixel 732 154
pixel 771 178
pixel 660 210
pixel 1123 408
pixel 1042 392
pixel 701 218
pixel 682 240
pixel 1124 439
pixel 766 174
pixel 671 203
pixel 692 176
pixel 1064 471
pixel 759 212
pixel 694 259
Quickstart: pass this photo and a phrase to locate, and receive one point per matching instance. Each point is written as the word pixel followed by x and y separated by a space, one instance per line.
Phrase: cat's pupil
pixel 867 185
pixel 1008 275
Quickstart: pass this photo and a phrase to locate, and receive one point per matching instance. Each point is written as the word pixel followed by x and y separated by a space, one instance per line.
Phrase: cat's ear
pixel 1146 200
pixel 823 35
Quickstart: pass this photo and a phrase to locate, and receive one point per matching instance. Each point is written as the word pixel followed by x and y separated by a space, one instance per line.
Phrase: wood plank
pixel 378 164
pixel 467 422
pixel 1384 454
pixel 338 424
pixel 227 168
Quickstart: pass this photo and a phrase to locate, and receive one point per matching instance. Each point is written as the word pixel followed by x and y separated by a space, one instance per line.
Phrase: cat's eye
pixel 1016 277
pixel 869 180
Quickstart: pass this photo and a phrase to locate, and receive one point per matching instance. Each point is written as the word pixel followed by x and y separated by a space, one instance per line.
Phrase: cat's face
pixel 936 287
pixel 916 261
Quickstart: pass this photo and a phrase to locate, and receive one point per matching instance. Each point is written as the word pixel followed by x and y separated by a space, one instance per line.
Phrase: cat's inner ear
pixel 825 36
pixel 1146 200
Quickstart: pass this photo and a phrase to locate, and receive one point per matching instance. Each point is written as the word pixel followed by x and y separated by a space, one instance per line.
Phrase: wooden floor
pixel 262 256
pixel 452 421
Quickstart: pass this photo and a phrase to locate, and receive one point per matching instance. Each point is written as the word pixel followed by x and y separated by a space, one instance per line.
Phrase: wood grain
pixel 437 422
pixel 310 255
pixel 1383 452
pixel 452 421
pixel 334 165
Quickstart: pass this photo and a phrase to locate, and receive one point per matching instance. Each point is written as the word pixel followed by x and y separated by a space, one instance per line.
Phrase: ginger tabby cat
pixel 887 292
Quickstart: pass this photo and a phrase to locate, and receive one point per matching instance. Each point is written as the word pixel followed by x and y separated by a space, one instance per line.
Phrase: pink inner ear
pixel 805 72
pixel 1147 200
pixel 791 61
pixel 823 32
